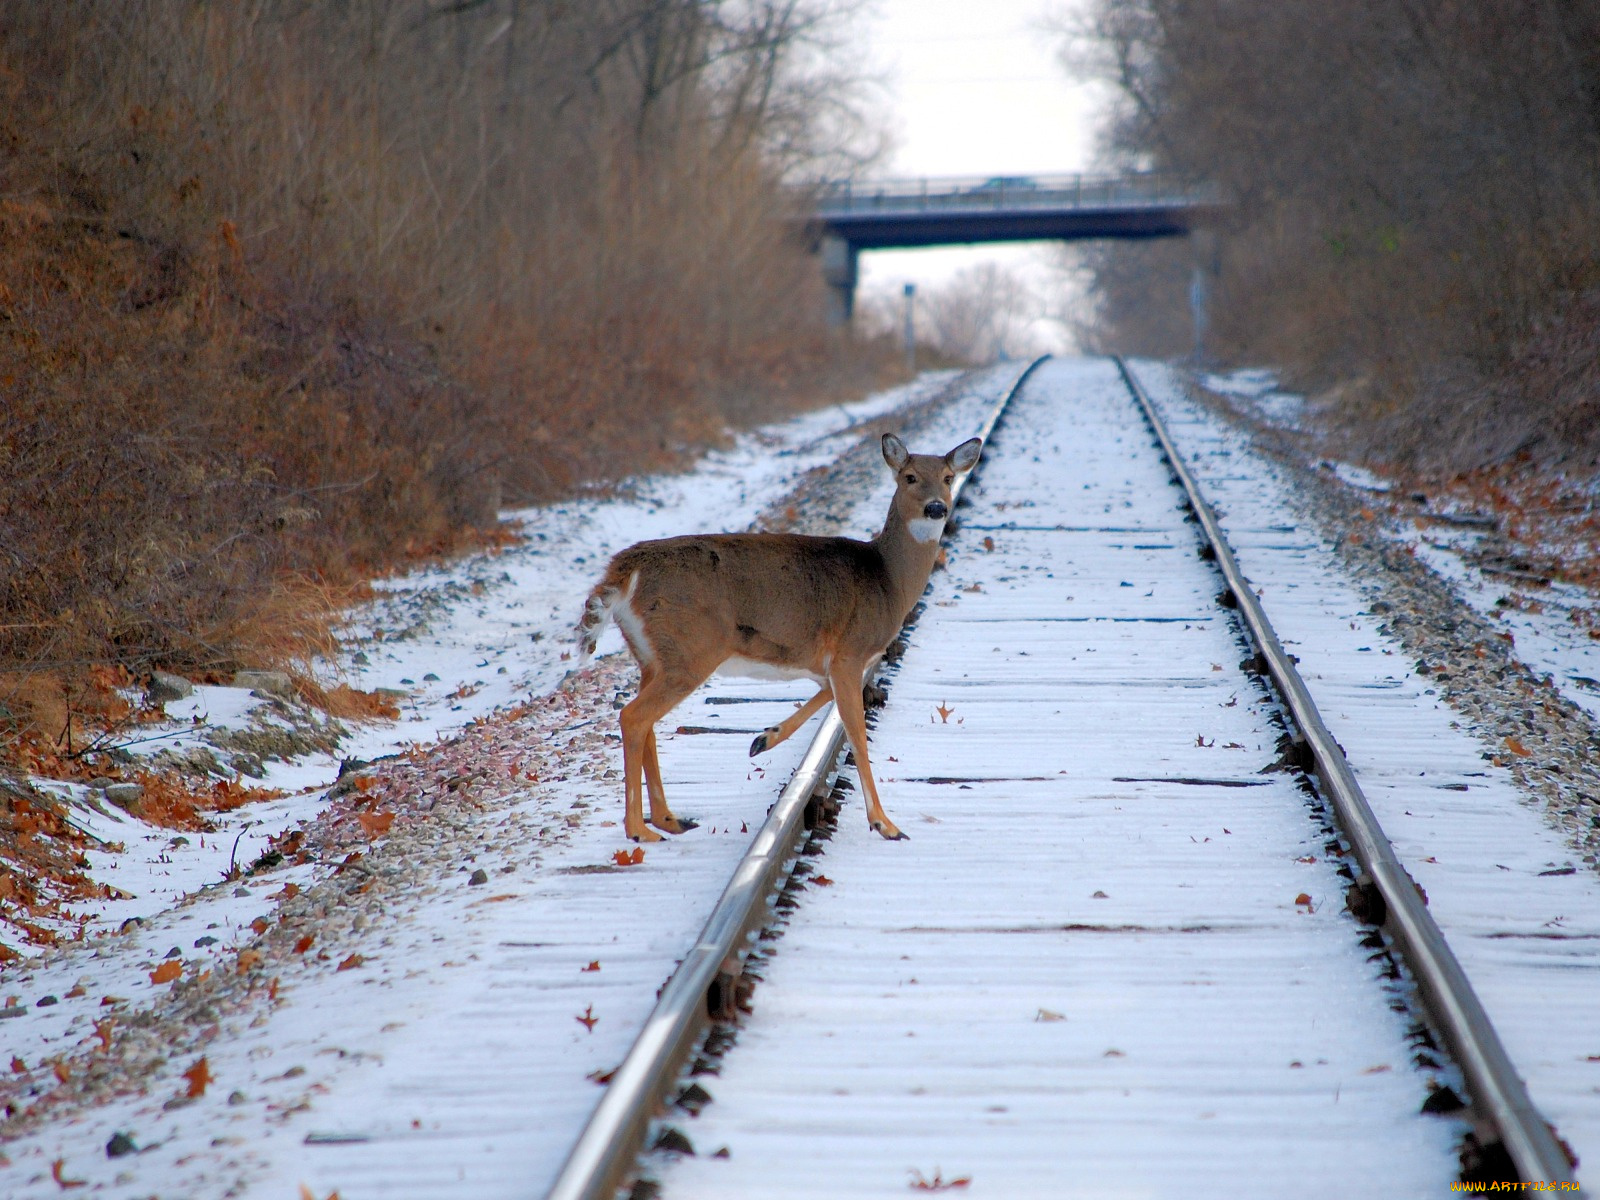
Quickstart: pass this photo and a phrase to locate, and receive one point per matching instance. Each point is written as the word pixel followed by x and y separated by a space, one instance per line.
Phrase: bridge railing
pixel 1011 192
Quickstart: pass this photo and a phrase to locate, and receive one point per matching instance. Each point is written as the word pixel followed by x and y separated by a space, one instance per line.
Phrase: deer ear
pixel 965 456
pixel 894 451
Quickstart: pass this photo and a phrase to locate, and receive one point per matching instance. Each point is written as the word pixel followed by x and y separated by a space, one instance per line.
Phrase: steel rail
pixel 604 1155
pixel 1497 1092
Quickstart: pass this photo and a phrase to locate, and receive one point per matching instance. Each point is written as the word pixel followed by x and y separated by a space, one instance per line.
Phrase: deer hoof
pixel 675 824
pixel 760 744
pixel 645 835
pixel 890 832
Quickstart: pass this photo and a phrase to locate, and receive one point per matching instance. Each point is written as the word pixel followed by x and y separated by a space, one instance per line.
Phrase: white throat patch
pixel 925 529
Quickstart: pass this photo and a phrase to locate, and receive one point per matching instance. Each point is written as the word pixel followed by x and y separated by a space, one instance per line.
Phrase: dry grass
pixel 291 295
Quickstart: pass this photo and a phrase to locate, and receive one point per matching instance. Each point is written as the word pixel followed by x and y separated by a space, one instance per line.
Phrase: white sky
pixel 976 89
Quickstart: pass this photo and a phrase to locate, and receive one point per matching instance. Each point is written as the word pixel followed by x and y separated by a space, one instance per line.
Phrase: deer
pixel 770 606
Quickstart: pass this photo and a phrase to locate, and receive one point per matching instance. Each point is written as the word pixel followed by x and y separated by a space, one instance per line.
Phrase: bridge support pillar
pixel 839 272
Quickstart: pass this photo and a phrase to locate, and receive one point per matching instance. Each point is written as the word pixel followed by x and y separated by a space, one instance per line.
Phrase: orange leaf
pixel 588 1020
pixel 375 824
pixel 938 1183
pixel 289 892
pixel 259 924
pixel 594 966
pixel 355 960
pixel 17 1065
pixel 102 1030
pixel 248 959
pixel 61 1070
pixel 75 992
pixel 198 1076
pixel 56 1174
pixel 624 859
pixel 1517 748
pixel 305 943
pixel 944 713
pixel 167 971
pixel 1303 900
pixel 822 881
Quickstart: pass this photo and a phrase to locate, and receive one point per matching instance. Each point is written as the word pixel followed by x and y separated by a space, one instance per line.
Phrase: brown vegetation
pixel 293 293
pixel 1417 209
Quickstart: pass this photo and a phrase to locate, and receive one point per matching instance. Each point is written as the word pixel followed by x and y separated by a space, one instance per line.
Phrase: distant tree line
pixel 1416 223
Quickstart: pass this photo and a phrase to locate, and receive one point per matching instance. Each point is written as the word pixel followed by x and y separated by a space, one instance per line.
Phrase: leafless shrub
pixel 295 292
pixel 1416 190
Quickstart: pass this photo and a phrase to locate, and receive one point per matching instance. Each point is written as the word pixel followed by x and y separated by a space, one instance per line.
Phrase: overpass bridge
pixel 851 216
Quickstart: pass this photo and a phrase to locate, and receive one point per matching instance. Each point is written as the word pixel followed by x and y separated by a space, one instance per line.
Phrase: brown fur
pixel 824 606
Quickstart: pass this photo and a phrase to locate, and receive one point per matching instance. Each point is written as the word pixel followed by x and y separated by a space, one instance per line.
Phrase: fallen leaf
pixel 260 924
pixel 56 1174
pixel 355 960
pixel 1517 748
pixel 1304 901
pixel 594 966
pixel 974 588
pixel 822 881
pixel 601 1077
pixel 1200 740
pixel 17 1065
pixel 624 859
pixel 1114 1053
pixel 248 959
pixel 288 892
pixel 198 1076
pixel 167 971
pixel 988 543
pixel 305 943
pixel 588 1020
pixel 75 992
pixel 944 713
pixel 375 824
pixel 1377 1070
pixel 1046 1014
pixel 61 1070
pixel 102 1030
pixel 938 1183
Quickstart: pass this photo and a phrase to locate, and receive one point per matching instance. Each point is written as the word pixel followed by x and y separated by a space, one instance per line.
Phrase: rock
pixel 248 764
pixel 101 782
pixel 271 683
pixel 120 1144
pixel 430 677
pixel 165 686
pixel 125 795
pixel 478 876
pixel 207 940
pixel 46 1001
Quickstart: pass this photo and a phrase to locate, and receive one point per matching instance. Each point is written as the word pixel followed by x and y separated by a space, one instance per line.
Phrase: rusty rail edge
pixel 603 1158
pixel 1496 1090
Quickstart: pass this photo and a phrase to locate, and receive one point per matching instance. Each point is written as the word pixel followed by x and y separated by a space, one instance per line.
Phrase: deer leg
pixel 777 734
pixel 847 698
pixel 657 697
pixel 660 815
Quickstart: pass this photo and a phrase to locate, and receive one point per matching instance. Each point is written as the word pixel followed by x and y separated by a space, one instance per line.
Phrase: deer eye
pixel 911 478
pixel 949 479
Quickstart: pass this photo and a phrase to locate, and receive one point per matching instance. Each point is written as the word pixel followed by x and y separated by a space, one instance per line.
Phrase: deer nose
pixel 935 511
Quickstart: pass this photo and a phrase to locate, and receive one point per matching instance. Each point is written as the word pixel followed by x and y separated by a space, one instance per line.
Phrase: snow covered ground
pixel 457 1028
pixel 451 1060
pixel 1522 915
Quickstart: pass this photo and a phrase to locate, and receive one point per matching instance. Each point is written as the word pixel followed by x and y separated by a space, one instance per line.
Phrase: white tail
pixel 774 605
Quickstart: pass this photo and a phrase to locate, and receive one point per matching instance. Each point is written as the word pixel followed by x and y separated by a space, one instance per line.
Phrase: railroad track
pixel 1018 875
